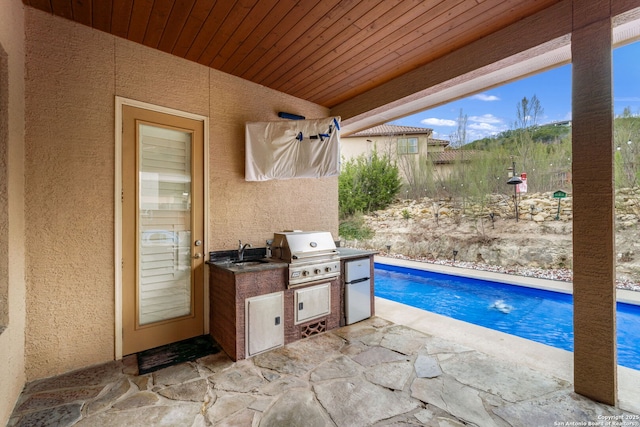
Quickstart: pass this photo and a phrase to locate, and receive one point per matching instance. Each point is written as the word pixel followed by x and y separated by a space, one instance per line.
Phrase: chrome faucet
pixel 241 249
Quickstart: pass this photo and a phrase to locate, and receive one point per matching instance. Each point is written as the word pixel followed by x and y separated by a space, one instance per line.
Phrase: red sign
pixel 522 188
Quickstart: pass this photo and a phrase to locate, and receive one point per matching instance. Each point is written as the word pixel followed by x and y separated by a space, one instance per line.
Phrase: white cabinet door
pixel 312 302
pixel 264 322
pixel 357 301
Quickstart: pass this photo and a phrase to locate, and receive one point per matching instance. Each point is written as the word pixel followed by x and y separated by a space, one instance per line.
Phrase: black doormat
pixel 175 353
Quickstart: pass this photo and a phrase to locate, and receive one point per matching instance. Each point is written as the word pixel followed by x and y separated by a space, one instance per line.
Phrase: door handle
pixel 198 255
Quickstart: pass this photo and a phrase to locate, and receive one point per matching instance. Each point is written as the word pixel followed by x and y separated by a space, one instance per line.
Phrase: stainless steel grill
pixel 312 256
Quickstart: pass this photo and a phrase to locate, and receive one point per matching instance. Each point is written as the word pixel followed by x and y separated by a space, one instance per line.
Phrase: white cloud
pixel 432 121
pixel 478 127
pixel 485 97
pixel 484 127
pixel 485 118
pixel 481 132
pixel 473 135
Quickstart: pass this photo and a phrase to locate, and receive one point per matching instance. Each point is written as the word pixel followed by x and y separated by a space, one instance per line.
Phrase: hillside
pixel 536 245
pixel 546 134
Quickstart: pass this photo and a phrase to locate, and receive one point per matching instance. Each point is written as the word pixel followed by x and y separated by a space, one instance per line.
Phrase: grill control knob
pixel 317 271
pixel 305 273
pixel 328 269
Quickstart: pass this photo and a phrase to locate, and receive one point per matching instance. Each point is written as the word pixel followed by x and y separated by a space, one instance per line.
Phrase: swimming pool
pixel 538 315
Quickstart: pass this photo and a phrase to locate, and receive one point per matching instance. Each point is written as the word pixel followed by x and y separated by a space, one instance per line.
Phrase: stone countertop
pixel 265 264
pixel 348 253
pixel 273 263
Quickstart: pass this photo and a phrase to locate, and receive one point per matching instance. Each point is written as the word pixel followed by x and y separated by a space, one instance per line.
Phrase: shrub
pixel 366 185
pixel 354 228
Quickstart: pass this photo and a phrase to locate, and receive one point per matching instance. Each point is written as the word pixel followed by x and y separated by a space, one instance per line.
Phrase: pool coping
pixel 500 345
pixel 622 295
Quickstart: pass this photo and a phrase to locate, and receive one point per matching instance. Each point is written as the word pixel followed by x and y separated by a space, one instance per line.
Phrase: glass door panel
pixel 164 218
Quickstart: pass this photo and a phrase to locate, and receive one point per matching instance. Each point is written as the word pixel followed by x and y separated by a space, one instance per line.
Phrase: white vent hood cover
pixel 292 149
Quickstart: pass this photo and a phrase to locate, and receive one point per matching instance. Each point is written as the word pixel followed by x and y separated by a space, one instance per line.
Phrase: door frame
pixel 117 260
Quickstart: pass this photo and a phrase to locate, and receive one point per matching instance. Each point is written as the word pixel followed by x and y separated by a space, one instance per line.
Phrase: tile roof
pixel 385 130
pixel 451 156
pixel 443 142
pixel 393 130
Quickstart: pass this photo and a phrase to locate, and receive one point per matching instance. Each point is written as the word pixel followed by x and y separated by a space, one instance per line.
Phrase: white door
pixel 265 322
pixel 312 302
pixel 163 229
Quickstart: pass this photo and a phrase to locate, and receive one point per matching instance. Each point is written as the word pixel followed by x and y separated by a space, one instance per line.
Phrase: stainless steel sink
pixel 248 263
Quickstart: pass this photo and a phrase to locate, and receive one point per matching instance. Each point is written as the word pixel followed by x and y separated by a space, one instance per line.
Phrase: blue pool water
pixel 538 315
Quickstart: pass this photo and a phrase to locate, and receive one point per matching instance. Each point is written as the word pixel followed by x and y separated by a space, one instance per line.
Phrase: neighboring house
pixel 409 146
pixel 393 140
pixel 445 161
pixel 412 147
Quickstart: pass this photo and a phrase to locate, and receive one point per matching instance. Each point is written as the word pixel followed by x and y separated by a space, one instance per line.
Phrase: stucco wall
pixel 69 195
pixel 355 146
pixel 12 282
pixel 252 211
pixel 352 147
pixel 73 75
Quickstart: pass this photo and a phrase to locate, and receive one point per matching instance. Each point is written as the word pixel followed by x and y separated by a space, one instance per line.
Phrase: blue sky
pixel 493 111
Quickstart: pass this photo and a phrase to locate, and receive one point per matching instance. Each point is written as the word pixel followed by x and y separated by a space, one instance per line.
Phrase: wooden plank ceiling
pixel 324 51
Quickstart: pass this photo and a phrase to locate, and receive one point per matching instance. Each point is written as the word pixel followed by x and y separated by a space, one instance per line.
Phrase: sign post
pixel 515 181
pixel 559 195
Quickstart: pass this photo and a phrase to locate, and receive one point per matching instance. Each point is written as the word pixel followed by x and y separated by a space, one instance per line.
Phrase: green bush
pixel 367 185
pixel 354 228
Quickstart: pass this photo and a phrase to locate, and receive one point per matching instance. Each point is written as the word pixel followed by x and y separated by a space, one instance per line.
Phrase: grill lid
pixel 300 246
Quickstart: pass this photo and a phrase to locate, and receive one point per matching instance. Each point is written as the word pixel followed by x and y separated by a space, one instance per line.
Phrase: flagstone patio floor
pixel 372 373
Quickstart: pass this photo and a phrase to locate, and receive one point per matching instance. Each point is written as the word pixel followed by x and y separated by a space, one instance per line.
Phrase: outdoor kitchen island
pixel 254 308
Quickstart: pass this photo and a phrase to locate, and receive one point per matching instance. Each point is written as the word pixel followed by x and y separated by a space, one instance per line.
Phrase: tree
pixel 459 137
pixel 367 184
pixel 457 140
pixel 418 173
pixel 527 113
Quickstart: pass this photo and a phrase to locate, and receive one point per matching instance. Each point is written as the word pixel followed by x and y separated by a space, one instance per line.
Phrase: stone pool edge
pixel 537 356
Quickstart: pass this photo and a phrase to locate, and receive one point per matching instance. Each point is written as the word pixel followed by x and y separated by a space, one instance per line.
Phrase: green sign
pixel 559 195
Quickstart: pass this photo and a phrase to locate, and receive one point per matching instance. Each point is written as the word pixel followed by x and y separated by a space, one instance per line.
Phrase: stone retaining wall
pixel 538 207
pixel 410 228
